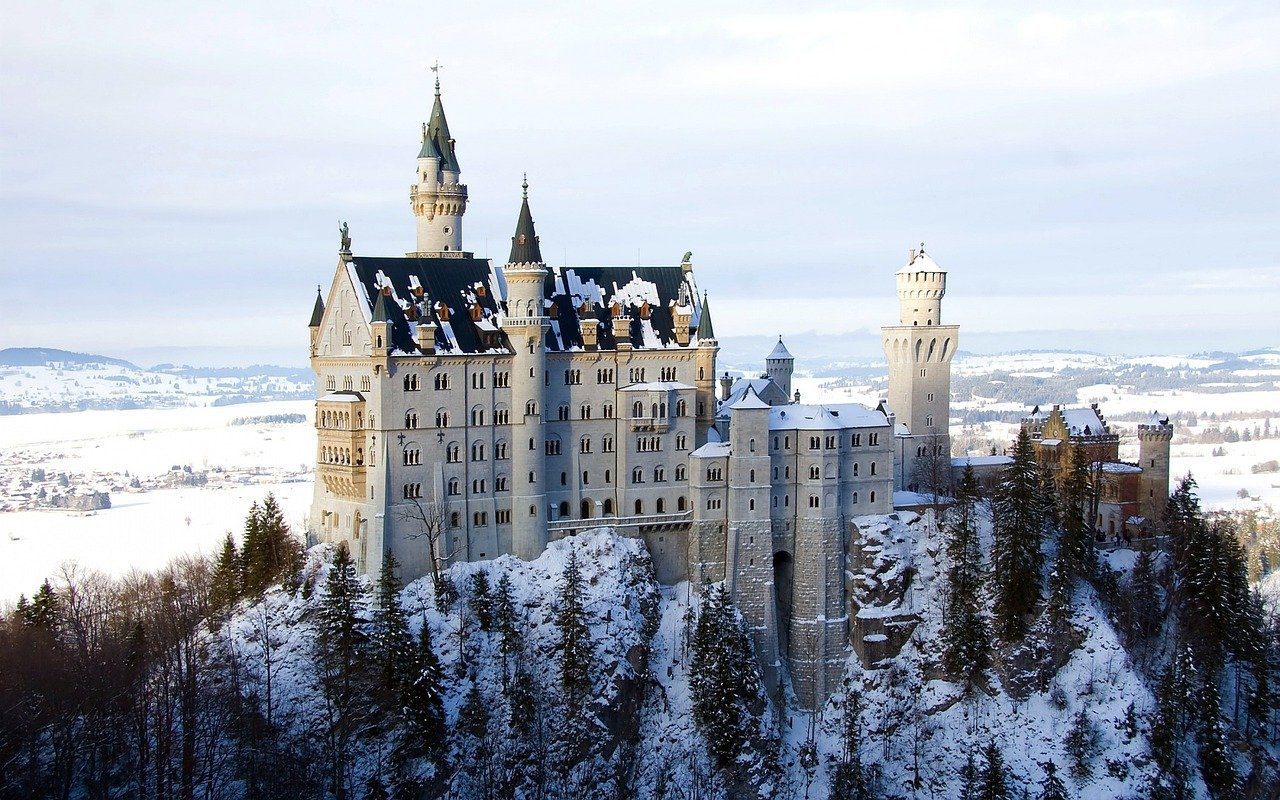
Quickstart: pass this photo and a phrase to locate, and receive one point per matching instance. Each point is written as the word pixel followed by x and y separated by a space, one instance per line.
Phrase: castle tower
pixel 526 326
pixel 437 196
pixel 706 383
pixel 1154 438
pixel 919 350
pixel 749 544
pixel 317 317
pixel 779 365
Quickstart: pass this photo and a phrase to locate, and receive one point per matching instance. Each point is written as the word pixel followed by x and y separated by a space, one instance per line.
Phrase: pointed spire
pixel 317 312
pixel 380 308
pixel 524 245
pixel 780 351
pixel 705 330
pixel 437 142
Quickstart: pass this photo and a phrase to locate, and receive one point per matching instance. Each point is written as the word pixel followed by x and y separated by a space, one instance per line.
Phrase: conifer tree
pixel 965 640
pixel 227 579
pixel 1058 608
pixel 1075 543
pixel 1143 598
pixel 340 646
pixel 1082 742
pixel 473 729
pixel 507 621
pixel 1015 551
pixel 724 679
pixel 45 610
pixel 993 781
pixel 481 599
pixel 969 777
pixel 1216 764
pixel 252 550
pixel 421 700
pixel 848 778
pixel 576 652
pixel 1052 788
pixel 390 643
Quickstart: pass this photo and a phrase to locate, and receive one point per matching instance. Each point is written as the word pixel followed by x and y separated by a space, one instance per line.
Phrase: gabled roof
pixel 1083 422
pixel 749 401
pixel 779 351
pixel 524 244
pixel 317 311
pixel 809 417
pixel 380 308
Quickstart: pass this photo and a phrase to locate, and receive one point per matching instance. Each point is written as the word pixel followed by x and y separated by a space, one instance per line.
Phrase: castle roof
pixel 448 291
pixel 763 387
pixel 1083 422
pixel 809 417
pixel 748 402
pixel 380 308
pixel 317 311
pixel 437 143
pixel 705 330
pixel 921 263
pixel 779 351
pixel 524 244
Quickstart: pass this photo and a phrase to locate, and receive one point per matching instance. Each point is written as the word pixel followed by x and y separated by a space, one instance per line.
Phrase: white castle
pixel 467 410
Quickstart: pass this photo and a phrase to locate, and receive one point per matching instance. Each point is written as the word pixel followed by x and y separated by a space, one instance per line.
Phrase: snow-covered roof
pixel 749 401
pixel 1083 422
pixel 712 450
pixel 779 351
pixel 1120 468
pixel 1136 520
pixel 921 263
pixel 764 387
pixel 656 386
pixel 1050 442
pixel 808 417
pixel 981 461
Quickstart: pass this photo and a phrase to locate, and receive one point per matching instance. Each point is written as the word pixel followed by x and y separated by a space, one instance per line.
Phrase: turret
pixel 437 196
pixel 921 286
pixel 1154 439
pixel 525 326
pixel 317 317
pixel 779 365
pixel 381 328
pixel 705 358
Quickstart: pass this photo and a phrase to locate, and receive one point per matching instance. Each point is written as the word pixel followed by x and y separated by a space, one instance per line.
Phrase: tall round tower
pixel 779 365
pixel 1154 439
pixel 919 350
pixel 526 326
pixel 437 196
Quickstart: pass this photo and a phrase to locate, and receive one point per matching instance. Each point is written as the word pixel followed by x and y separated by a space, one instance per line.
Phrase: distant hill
pixel 39 356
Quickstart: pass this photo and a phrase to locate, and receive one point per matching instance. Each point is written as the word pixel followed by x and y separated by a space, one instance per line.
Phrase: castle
pixel 467 410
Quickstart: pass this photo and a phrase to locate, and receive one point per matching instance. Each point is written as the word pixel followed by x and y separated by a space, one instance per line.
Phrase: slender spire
pixel 317 312
pixel 436 140
pixel 380 308
pixel 524 245
pixel 705 330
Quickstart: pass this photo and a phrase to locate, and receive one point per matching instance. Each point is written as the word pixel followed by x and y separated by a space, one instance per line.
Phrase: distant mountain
pixel 39 356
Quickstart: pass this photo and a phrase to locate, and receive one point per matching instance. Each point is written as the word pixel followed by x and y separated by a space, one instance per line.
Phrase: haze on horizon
pixel 1092 177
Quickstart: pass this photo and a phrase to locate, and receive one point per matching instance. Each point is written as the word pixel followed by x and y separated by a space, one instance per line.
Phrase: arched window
pixel 637 475
pixel 455 488
pixel 639 507
pixel 637 409
pixel 442 418
pixel 662 506
pixel 477 416
pixel 680 472
pixel 584 411
pixel 681 503
pixel 411 419
pixel 453 453
pixel 855 469
pixel 682 442
pixel 455 520
pixel 531 408
pixel 608 506
pixel 563 509
pixel 873 497
pixel 751 476
pixel 681 408
pixel 477 451
pixel 873 468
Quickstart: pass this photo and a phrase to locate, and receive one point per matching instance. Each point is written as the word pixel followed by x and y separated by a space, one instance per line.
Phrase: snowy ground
pixel 144 529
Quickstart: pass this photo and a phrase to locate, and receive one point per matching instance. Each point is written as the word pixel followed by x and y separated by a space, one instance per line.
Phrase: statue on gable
pixel 345 233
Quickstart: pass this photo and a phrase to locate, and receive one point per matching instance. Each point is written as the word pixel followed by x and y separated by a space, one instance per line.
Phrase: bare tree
pixel 431 520
pixel 933 472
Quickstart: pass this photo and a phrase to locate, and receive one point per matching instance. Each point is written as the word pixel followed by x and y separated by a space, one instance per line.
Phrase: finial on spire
pixel 424 131
pixel 436 69
pixel 524 186
pixel 922 248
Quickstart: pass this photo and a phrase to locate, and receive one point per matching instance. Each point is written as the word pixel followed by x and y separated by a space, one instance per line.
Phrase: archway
pixel 783 577
pixel 586 509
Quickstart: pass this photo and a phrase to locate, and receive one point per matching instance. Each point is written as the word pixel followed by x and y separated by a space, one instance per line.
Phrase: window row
pixel 829 441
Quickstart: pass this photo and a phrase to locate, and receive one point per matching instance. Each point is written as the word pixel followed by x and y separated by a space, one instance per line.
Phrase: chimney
pixel 911 255
pixel 726 386
pixel 797 396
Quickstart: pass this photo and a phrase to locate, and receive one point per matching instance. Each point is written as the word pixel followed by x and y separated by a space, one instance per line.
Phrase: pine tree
pixel 421 700
pixel 1015 552
pixel 969 777
pixel 507 621
pixel 1075 543
pixel 1144 599
pixel 252 553
pixel 1052 788
pixel 966 643
pixel 993 781
pixel 227 579
pixel 576 653
pixel 724 678
pixel 482 599
pixel 390 643
pixel 340 647
pixel 45 609
pixel 1058 608
pixel 1082 743
pixel 848 778
pixel 1216 765
pixel 269 551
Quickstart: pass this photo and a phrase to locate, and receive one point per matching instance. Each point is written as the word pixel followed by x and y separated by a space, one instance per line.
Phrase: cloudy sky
pixel 1092 175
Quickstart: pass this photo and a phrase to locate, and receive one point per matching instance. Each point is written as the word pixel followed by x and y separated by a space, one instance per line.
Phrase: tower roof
pixel 524 245
pixel 705 329
pixel 780 351
pixel 436 140
pixel 380 308
pixel 749 400
pixel 317 311
pixel 921 262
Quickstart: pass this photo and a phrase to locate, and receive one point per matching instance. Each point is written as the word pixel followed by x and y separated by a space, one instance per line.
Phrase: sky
pixel 1097 176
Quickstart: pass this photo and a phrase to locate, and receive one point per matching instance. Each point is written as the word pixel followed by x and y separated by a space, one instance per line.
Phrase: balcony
pixel 651 424
pixel 569 526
